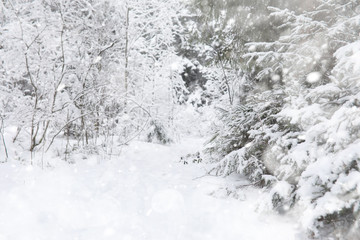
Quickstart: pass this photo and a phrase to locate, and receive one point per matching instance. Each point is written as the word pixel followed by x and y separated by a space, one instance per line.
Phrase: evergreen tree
pixel 310 126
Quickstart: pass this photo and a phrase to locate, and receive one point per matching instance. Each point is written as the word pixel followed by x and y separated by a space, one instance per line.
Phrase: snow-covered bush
pixel 240 142
pixel 157 133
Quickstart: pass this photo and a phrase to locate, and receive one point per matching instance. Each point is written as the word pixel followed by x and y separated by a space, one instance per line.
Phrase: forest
pixel 264 92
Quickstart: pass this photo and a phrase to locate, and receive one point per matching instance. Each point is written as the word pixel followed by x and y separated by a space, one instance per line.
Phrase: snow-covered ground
pixel 144 194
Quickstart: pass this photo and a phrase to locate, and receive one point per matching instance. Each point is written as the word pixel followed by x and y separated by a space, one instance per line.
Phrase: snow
pixel 313 77
pixel 60 87
pixel 175 66
pixel 252 48
pixel 275 78
pixel 146 193
pixel 97 59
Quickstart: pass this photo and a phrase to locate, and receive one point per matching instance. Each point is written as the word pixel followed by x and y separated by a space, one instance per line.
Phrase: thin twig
pixel 3 138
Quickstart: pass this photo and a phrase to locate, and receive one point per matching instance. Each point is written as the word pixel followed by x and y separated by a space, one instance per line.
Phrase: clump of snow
pixel 275 78
pixel 313 77
pixel 252 48
pixel 61 87
pixel 97 59
pixel 175 66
